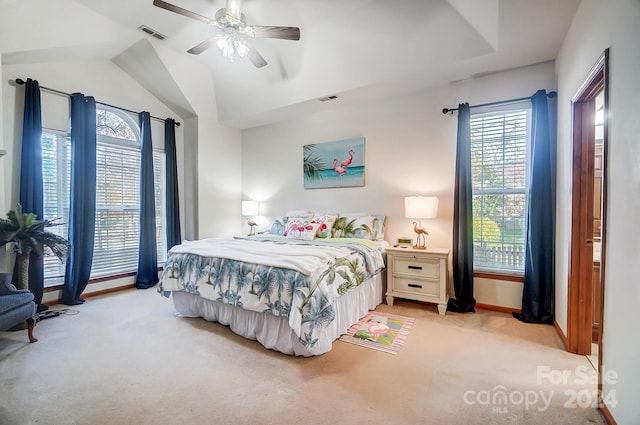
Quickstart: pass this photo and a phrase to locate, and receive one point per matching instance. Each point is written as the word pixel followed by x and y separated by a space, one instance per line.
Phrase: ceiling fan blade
pixel 184 12
pixel 256 58
pixel 196 50
pixel 233 8
pixel 261 31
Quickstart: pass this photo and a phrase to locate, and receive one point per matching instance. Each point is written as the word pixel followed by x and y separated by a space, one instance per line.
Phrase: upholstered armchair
pixel 16 306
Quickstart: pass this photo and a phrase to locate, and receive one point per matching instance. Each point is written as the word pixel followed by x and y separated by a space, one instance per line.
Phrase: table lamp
pixel 249 210
pixel 420 207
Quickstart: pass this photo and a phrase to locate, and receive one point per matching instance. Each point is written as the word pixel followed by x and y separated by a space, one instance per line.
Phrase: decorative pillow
pixel 294 223
pixel 326 222
pixel 296 219
pixel 303 231
pixel 279 225
pixel 353 227
pixel 379 223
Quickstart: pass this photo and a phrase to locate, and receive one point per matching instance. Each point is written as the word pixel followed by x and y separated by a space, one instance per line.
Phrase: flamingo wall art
pixel 334 164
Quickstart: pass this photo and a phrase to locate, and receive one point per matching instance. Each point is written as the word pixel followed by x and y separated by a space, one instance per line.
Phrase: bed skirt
pixel 274 332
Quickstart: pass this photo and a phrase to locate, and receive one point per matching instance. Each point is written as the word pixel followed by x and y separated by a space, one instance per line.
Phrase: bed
pixel 290 292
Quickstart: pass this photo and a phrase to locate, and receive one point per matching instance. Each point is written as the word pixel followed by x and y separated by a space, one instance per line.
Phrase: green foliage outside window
pixel 488 229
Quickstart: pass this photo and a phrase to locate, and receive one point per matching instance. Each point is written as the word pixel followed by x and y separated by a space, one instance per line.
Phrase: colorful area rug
pixel 380 331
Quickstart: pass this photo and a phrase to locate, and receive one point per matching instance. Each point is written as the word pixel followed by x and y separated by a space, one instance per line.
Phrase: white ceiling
pixel 349 48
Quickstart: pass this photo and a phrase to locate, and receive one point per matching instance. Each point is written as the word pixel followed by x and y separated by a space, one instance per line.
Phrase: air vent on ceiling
pixel 328 98
pixel 152 32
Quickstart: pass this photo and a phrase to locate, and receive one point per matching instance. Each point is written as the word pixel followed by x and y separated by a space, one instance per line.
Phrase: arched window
pixel 117 230
pixel 117 193
pixel 111 124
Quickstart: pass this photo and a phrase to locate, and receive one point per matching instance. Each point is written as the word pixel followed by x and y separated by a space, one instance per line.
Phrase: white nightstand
pixel 418 274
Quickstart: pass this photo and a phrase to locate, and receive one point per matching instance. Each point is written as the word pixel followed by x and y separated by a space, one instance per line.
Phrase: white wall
pixel 599 25
pixel 212 153
pixel 409 149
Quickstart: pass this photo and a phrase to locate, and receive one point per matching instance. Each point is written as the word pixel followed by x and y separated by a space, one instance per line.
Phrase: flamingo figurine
pixel 252 224
pixel 420 232
pixel 347 161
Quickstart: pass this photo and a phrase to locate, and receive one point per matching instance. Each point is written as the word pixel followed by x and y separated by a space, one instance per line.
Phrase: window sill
pixel 509 277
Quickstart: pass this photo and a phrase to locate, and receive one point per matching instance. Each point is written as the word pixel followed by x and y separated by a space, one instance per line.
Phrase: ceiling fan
pixel 233 26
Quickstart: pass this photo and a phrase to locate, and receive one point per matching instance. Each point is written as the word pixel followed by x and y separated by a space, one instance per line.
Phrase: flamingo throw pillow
pixel 305 231
pixel 326 222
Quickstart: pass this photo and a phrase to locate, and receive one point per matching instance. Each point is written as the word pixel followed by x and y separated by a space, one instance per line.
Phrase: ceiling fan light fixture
pixel 242 48
pixel 231 44
pixel 225 44
pixel 231 22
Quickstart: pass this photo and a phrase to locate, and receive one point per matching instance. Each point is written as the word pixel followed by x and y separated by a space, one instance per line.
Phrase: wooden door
pixel 586 278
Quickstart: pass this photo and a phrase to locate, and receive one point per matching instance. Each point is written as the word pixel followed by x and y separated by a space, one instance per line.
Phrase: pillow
pixel 355 214
pixel 294 222
pixel 303 231
pixel 379 223
pixel 279 225
pixel 353 227
pixel 299 213
pixel 326 222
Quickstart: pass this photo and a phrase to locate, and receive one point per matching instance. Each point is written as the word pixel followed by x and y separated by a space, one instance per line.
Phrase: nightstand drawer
pixel 415 286
pixel 424 267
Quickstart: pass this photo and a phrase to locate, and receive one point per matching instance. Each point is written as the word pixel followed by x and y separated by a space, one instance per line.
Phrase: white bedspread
pixel 303 258
pixel 285 278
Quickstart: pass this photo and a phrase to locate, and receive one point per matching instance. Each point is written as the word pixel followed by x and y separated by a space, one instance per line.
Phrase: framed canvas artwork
pixel 334 164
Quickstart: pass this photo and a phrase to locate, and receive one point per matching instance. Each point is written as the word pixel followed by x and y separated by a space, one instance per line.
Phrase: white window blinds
pixel 117 228
pixel 56 173
pixel 499 156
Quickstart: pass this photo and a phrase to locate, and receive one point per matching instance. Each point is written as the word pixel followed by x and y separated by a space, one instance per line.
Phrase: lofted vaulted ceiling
pixel 354 49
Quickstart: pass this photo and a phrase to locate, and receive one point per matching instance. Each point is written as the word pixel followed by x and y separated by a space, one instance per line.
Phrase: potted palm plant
pixel 28 234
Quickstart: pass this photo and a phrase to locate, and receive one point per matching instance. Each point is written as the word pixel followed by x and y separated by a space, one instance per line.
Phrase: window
pixel 56 175
pixel 500 178
pixel 117 195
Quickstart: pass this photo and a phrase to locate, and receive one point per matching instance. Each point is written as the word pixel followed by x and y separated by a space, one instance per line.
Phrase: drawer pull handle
pixel 413 285
pixel 415 267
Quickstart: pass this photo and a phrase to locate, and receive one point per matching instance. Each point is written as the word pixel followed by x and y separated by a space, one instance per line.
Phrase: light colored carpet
pixel 126 359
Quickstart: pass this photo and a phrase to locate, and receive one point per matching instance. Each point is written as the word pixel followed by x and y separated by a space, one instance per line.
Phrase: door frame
pixel 579 308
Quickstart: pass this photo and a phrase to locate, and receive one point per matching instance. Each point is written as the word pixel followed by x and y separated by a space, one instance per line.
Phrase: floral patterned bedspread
pixel 306 299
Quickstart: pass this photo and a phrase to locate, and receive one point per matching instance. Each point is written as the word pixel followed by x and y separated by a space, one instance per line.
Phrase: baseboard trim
pixel 96 293
pixel 606 413
pixel 561 334
pixel 499 308
pixel 109 290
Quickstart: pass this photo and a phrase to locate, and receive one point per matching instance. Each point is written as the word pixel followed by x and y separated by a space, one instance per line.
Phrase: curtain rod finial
pixel 20 81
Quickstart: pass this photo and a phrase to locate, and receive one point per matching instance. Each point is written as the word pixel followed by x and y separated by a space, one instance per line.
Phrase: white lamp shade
pixel 250 208
pixel 420 206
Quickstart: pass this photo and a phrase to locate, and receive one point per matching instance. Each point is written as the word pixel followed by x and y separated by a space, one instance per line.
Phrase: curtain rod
pixel 20 81
pixel 500 102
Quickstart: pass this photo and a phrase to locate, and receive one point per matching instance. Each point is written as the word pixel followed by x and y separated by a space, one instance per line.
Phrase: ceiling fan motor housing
pixel 229 23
